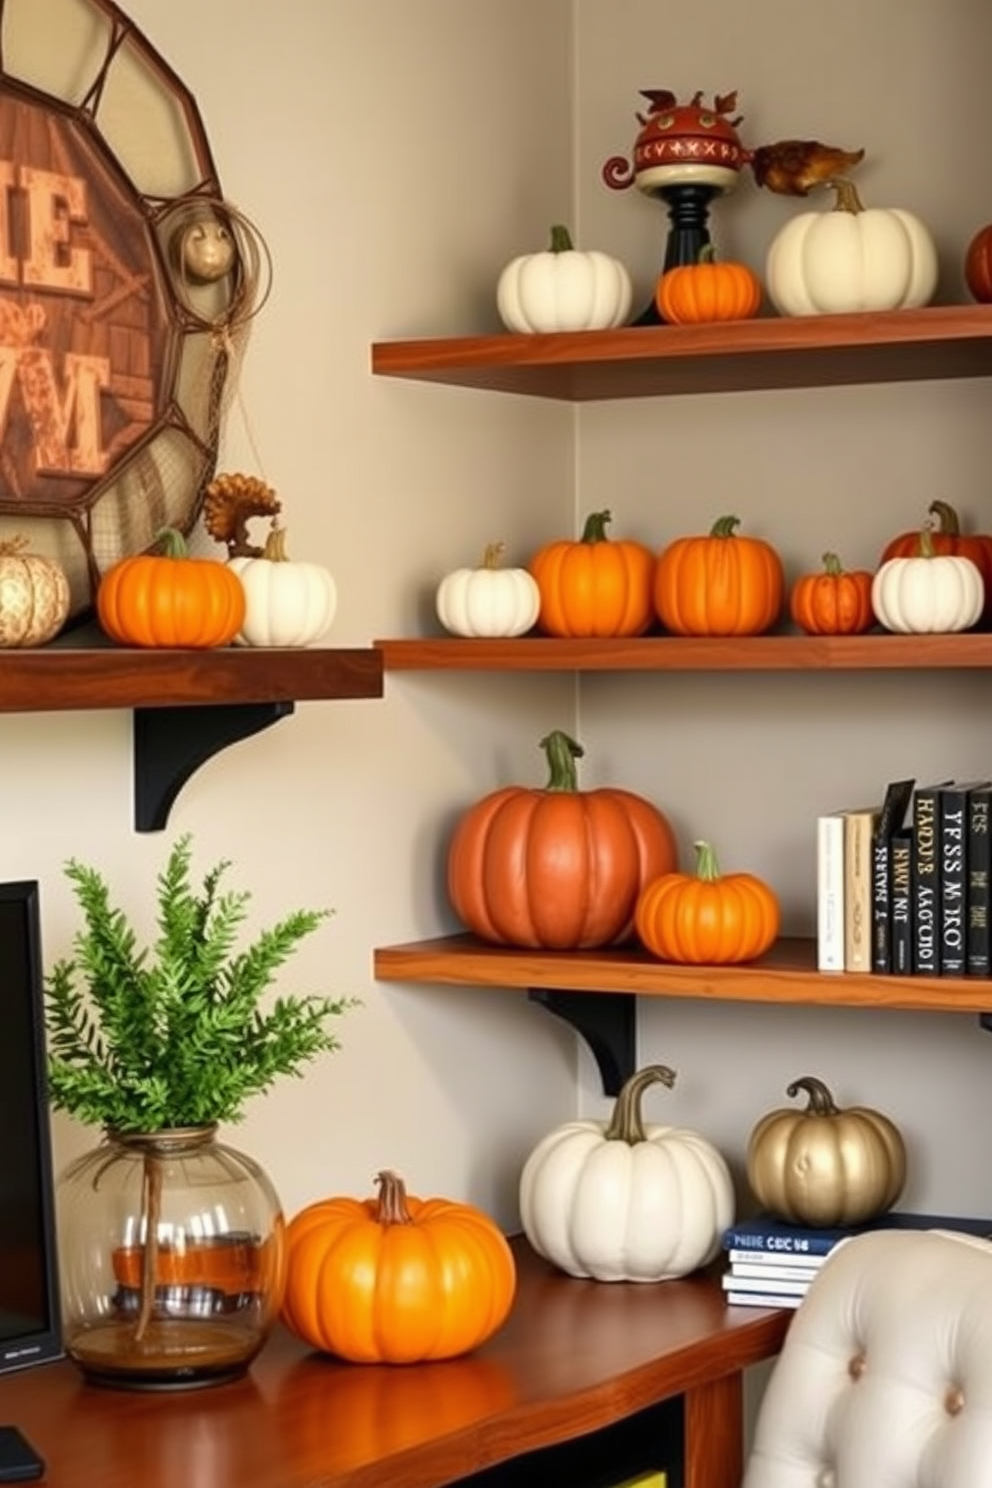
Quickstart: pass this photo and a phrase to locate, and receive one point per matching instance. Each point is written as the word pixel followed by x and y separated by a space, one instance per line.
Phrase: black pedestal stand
pixel 688 213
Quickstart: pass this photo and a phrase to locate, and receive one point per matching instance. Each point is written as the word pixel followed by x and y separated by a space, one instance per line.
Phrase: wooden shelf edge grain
pixel 773 352
pixel 874 652
pixel 68 675
pixel 787 975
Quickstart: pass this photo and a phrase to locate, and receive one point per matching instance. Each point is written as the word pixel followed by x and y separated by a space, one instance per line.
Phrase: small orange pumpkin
pixel 833 602
pixel 396 1279
pixel 720 584
pixel 978 265
pixel 557 869
pixel 947 538
pixel 594 587
pixel 705 919
pixel 170 599
pixel 707 290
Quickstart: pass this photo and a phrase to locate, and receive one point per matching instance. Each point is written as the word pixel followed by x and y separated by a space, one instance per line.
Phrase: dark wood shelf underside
pixel 874 652
pixel 945 341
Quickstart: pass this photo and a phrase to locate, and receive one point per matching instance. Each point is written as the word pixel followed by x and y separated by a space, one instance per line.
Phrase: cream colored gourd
pixel 488 601
pixel 563 289
pixel 34 596
pixel 934 593
pixel 825 1165
pixel 625 1200
pixel 851 258
pixel 287 603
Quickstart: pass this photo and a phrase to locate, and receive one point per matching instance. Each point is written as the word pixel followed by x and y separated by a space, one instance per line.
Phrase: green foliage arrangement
pixel 142 1043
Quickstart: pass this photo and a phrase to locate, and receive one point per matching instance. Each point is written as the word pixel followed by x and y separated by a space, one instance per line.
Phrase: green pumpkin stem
pixel 561 239
pixel 391 1204
pixel 706 254
pixel 626 1123
pixel 832 565
pixel 562 752
pixel 172 542
pixel 724 526
pixel 947 518
pixel 846 197
pixel 707 867
pixel 821 1102
pixel 595 529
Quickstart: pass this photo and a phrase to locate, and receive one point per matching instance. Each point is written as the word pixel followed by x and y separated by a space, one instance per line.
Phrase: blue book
pixel 769 1236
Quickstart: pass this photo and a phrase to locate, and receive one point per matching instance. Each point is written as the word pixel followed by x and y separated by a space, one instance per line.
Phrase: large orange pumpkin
pixel 558 868
pixel 719 584
pixel 708 919
pixel 594 587
pixel 835 601
pixel 396 1279
pixel 708 290
pixel 170 599
pixel 947 537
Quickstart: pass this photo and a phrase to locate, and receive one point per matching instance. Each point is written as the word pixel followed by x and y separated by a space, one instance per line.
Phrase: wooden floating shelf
pixel 786 653
pixel 80 671
pixel 786 975
pixel 788 352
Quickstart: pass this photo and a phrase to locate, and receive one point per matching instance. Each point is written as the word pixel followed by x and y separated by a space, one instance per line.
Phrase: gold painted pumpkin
pixel 396 1279
pixel 825 1166
pixel 34 596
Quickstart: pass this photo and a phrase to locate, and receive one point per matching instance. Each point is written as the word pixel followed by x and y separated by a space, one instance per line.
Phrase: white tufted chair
pixel 885 1378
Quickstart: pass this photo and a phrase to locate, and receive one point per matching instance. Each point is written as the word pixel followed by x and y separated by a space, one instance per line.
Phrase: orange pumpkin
pixel 834 601
pixel 720 584
pixel 947 537
pixel 558 868
pixel 978 265
pixel 594 587
pixel 706 291
pixel 170 599
pixel 396 1279
pixel 707 919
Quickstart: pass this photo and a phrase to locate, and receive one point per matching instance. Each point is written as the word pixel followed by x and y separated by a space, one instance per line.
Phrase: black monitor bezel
pixel 43 1345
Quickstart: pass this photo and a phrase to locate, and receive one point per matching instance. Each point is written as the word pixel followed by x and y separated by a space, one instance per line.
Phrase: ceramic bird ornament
pixel 794 167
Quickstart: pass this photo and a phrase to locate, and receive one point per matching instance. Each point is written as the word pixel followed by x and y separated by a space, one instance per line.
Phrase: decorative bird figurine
pixel 793 167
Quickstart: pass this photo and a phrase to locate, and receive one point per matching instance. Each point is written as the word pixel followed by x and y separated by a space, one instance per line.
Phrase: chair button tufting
pixel 857 1366
pixel 954 1400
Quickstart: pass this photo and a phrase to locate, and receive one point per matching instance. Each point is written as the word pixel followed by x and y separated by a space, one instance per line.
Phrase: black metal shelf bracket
pixel 170 744
pixel 607 1021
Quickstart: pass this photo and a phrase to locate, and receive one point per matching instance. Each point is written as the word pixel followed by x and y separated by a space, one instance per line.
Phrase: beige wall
pixel 395 155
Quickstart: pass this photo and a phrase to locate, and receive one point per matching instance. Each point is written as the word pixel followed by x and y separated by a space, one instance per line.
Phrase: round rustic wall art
pixel 126 286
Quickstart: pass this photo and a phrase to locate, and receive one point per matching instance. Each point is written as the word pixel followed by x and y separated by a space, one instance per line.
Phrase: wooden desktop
pixel 574 1357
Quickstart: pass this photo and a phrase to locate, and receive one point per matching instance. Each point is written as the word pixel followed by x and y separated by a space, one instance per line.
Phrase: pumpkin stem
pixel 492 554
pixel 11 546
pixel 595 529
pixel 391 1205
pixel 707 867
pixel 724 526
pixel 947 518
pixel 927 549
pixel 626 1124
pixel 832 565
pixel 821 1102
pixel 275 545
pixel 172 542
pixel 847 198
pixel 561 239
pixel 562 752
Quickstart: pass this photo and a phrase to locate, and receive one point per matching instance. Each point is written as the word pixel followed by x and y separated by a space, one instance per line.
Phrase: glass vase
pixel 172 1259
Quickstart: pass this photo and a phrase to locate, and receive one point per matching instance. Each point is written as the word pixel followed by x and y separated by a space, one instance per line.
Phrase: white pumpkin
pixel 563 289
pixel 287 603
pixel 625 1200
pixel 34 596
pixel 852 258
pixel 488 601
pixel 934 593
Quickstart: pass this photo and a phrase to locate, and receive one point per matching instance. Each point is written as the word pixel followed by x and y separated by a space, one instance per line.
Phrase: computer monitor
pixel 30 1328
